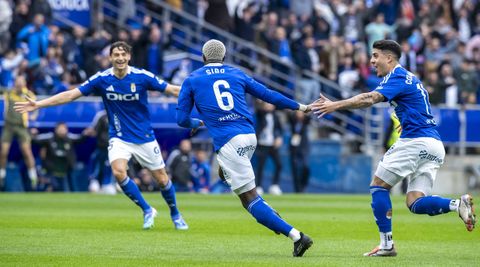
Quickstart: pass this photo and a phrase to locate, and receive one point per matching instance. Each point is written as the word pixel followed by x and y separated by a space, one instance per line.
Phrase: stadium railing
pixel 191 32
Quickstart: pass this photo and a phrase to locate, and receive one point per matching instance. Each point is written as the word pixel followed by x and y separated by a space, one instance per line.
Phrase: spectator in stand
pixel 20 20
pixel 378 30
pixel 60 157
pixel 93 47
pixel 52 68
pixel 468 82
pixel 217 14
pixel 155 50
pixel 448 84
pixel 9 65
pixel 435 90
pixel 5 21
pixel 139 40
pixel 281 47
pixel 100 173
pixel 16 126
pixel 269 136
pixel 178 164
pixel 41 7
pixel 307 58
pixel 299 150
pixel 36 36
pixel 127 10
pixel 409 57
pixel 200 172
pixel 351 25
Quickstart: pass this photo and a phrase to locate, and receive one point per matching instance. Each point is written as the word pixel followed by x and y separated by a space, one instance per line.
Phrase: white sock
pixel 32 174
pixel 454 204
pixel 3 173
pixel 386 240
pixel 294 235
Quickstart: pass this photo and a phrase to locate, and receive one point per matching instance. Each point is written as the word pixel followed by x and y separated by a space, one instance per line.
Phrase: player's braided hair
pixel 389 45
pixel 122 46
pixel 213 51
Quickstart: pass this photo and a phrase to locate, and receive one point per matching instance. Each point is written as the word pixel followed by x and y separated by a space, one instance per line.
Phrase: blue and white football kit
pixel 416 156
pixel 126 103
pixel 419 153
pixel 218 92
pixel 130 130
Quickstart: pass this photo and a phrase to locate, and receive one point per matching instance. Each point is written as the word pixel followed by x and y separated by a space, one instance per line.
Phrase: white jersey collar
pixel 214 65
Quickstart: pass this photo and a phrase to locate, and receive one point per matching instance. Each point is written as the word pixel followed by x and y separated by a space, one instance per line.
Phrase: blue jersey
pixel 406 94
pixel 126 102
pixel 218 92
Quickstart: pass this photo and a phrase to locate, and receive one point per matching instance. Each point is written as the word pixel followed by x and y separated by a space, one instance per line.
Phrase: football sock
pixel 294 235
pixel 454 204
pixel 266 216
pixel 382 208
pixel 386 240
pixel 3 173
pixel 131 190
pixel 168 193
pixel 431 205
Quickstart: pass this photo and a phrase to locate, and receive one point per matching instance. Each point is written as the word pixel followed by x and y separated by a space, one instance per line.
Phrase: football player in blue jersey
pixel 124 92
pixel 218 92
pixel 418 153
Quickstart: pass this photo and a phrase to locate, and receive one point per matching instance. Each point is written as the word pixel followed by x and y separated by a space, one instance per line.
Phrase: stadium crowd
pixel 440 42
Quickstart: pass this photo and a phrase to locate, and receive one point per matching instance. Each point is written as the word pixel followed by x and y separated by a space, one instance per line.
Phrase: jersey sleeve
pixel 155 83
pixel 390 88
pixel 273 97
pixel 185 106
pixel 90 85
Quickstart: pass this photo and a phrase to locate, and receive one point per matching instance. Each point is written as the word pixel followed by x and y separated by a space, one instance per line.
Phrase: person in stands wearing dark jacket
pixel 100 173
pixel 269 136
pixel 58 157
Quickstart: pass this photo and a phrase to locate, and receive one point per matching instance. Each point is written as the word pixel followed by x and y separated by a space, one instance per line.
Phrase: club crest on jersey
pixel 133 87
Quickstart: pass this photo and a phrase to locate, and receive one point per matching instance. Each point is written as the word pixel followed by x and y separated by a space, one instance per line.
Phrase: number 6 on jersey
pixel 220 96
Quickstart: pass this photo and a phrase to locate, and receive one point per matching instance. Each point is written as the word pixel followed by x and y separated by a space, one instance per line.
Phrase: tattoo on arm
pixel 362 100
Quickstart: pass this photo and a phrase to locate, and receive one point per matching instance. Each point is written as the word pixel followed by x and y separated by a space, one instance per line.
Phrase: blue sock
pixel 168 193
pixel 382 208
pixel 268 217
pixel 431 205
pixel 131 190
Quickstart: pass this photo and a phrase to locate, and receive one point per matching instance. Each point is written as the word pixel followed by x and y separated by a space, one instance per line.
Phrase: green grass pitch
pixel 98 230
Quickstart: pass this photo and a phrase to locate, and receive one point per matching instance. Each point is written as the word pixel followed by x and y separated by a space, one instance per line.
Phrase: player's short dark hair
pixel 122 46
pixel 390 46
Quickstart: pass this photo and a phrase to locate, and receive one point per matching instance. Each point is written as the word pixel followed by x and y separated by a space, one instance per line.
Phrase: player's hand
pixel 323 106
pixel 23 107
pixel 194 130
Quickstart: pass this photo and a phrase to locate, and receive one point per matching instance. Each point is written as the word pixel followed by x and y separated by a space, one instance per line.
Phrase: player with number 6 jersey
pixel 218 92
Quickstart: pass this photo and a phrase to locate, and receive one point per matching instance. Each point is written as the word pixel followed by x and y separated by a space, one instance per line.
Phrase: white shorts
pixel 148 154
pixel 417 159
pixel 234 159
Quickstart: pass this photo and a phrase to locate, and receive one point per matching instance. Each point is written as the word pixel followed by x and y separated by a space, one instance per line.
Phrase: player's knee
pixel 161 177
pixel 119 174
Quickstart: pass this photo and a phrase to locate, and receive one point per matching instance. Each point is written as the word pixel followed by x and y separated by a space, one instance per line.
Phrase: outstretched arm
pixel 273 97
pixel 324 105
pixel 58 99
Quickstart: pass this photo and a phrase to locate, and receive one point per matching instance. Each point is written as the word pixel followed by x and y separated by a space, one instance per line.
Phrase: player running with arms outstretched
pixel 218 92
pixel 124 92
pixel 417 155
